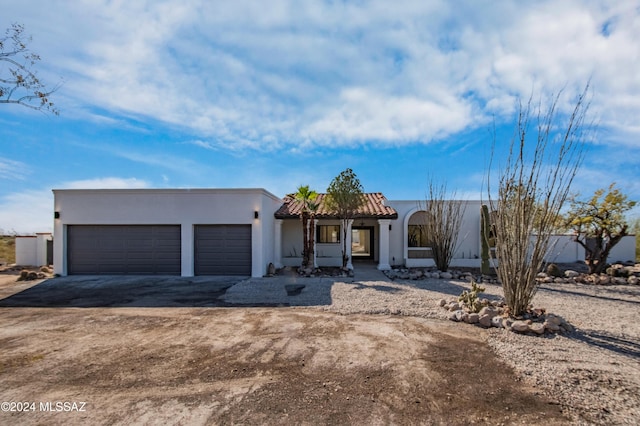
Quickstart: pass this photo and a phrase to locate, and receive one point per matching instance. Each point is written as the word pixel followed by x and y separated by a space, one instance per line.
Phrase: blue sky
pixel 200 93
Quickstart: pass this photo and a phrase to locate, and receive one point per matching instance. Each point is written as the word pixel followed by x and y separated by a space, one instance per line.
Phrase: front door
pixel 362 242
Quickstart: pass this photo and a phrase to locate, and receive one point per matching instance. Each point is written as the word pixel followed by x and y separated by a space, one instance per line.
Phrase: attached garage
pixel 186 231
pixel 222 250
pixel 124 249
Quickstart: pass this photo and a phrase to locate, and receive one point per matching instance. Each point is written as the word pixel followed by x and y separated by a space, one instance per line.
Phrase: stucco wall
pixel 32 250
pixel 26 251
pixel 468 247
pixel 624 251
pixel 185 207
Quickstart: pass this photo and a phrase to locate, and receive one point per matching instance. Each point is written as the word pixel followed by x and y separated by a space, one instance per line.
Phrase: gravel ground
pixel 593 373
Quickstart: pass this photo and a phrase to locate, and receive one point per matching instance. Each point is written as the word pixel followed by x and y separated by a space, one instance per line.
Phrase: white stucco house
pixel 192 232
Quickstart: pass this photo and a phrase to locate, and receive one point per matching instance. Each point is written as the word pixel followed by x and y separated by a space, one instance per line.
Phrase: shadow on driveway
pixel 124 291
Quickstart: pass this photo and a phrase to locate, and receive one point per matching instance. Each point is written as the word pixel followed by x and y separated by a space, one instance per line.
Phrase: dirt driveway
pixel 211 365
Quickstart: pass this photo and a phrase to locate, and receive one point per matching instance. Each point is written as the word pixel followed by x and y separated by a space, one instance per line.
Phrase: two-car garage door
pixel 123 249
pixel 156 249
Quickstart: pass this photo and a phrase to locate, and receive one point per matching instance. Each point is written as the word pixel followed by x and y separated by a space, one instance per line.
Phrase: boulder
pixel 497 322
pixel 633 280
pixel 537 328
pixel 553 270
pixel 569 273
pixel 491 312
pixel 554 328
pixel 520 326
pixel 458 316
pixel 446 275
pixel 553 319
pixel 473 318
pixel 484 320
pixel 271 270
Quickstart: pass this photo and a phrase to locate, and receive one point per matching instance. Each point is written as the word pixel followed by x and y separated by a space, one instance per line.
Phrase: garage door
pixel 123 249
pixel 223 250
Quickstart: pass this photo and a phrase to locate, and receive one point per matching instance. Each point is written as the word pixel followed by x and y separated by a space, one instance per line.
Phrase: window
pixel 418 236
pixel 328 234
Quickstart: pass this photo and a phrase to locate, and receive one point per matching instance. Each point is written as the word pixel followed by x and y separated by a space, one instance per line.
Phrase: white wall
pixel 185 207
pixel 564 249
pixel 326 254
pixel 26 251
pixel 32 250
pixel 468 247
pixel 624 251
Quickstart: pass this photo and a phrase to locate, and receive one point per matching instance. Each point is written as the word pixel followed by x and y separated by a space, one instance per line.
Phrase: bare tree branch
pixel 442 223
pixel 19 84
pixel 532 188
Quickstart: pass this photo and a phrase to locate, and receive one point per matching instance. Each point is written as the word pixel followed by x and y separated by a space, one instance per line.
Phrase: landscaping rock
pixel 554 328
pixel 473 318
pixel 497 322
pixel 520 326
pixel 569 273
pixel 485 320
pixel 537 328
pixel 446 275
pixel 491 312
pixel 553 270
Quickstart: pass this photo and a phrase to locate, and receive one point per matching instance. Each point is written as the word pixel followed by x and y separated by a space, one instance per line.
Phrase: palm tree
pixel 306 198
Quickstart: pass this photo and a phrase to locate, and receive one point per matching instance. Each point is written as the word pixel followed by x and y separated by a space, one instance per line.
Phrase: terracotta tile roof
pixel 373 208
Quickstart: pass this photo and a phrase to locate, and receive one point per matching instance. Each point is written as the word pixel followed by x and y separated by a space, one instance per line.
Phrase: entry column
pixel 383 249
pixel 348 244
pixel 277 256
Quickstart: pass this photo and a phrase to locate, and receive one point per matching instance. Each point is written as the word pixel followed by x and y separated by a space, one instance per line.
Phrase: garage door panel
pixel 124 249
pixel 223 250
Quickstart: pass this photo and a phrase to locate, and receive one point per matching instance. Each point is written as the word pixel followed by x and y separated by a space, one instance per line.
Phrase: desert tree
pixel 533 184
pixel 306 197
pixel 19 82
pixel 442 222
pixel 599 224
pixel 345 196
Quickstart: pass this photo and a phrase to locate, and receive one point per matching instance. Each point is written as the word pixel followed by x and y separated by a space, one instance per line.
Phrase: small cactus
pixel 470 298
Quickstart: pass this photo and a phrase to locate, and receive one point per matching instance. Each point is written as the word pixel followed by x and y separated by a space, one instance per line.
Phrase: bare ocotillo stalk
pixel 533 185
pixel 442 223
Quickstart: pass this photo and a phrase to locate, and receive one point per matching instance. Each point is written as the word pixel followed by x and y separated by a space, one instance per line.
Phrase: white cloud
pixel 248 74
pixel 13 170
pixel 27 212
pixel 202 144
pixel 369 116
pixel 105 183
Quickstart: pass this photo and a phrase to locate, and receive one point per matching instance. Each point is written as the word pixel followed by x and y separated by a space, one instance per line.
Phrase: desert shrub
pixel 470 297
